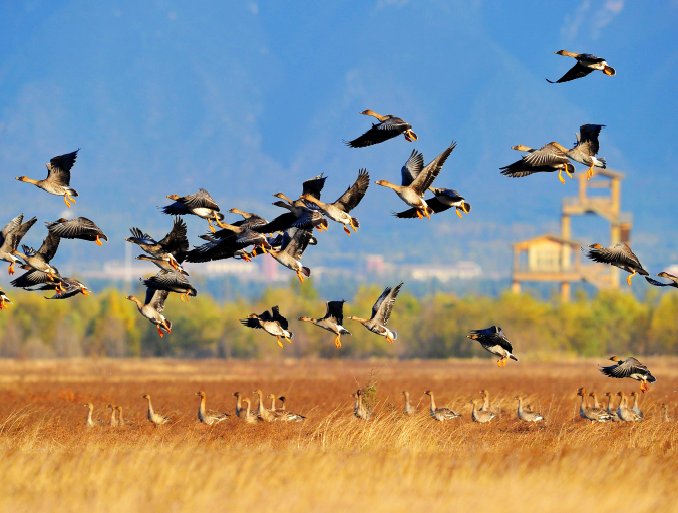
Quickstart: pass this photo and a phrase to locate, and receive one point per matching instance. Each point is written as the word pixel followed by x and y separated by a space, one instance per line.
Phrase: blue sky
pixel 250 98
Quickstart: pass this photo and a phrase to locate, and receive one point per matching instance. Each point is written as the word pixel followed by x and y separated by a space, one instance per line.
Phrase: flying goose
pixel 587 147
pixel 209 417
pixel 440 414
pixel 339 210
pixel 332 321
pixel 78 228
pixel 619 255
pixel 295 241
pixel 416 179
pixel 172 281
pixel 672 283
pixel 549 158
pixel 494 341
pixel 629 368
pixel 3 299
pixel 272 323
pixel 58 178
pixel 381 311
pixel 442 200
pixel 586 63
pixel 200 204
pixel 39 260
pixel 10 237
pixel 152 308
pixel 389 126
pixel 154 418
pixel 172 248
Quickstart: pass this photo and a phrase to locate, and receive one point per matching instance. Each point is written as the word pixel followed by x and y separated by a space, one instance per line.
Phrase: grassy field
pixel 50 461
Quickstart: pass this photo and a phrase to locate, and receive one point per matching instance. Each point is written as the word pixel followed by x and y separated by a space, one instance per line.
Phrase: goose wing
pixel 276 316
pixel 382 308
pixel 156 298
pixel 619 254
pixel 200 199
pixel 576 71
pixel 297 242
pixel 10 227
pixel 59 168
pixel 75 228
pixel 176 241
pixel 168 280
pixel 626 369
pixel 412 168
pixel 550 154
pixel 31 279
pixel 424 179
pixel 380 132
pixel 313 186
pixel 49 246
pixel 355 193
pixel 335 311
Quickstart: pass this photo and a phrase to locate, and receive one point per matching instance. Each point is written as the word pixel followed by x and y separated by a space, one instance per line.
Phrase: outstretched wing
pixel 577 71
pixel 548 155
pixel 156 298
pixel 59 168
pixel 313 186
pixel 588 138
pixel 382 308
pixel 335 310
pixel 412 168
pixel 176 241
pixel 200 199
pixel 279 318
pixel 619 255
pixel 355 193
pixel 380 132
pixel 49 246
pixel 424 180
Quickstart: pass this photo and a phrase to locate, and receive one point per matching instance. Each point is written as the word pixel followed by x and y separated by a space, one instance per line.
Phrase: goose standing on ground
pixel 672 283
pixel 78 228
pixel 58 178
pixel 636 408
pixel 172 248
pixel 332 321
pixel 610 407
pixel 494 341
pixel 262 413
pixel 549 158
pixel 172 281
pixel 416 179
pixel 39 260
pixel 442 200
pixel 272 323
pixel 619 255
pixel 114 421
pixel 593 396
pixel 3 299
pixel 282 414
pixel 440 414
pixel 389 126
pixel 629 368
pixel 588 413
pixel 408 409
pixel 359 409
pixel 200 204
pixel 11 236
pixel 586 63
pixel 381 311
pixel 485 395
pixel 483 417
pixel 154 418
pixel 209 417
pixel 624 412
pixel 238 404
pixel 527 416
pixel 665 413
pixel 152 308
pixel 89 422
pixel 247 415
pixel 339 210
pixel 121 420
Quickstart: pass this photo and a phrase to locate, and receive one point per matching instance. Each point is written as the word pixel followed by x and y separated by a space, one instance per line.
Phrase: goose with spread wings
pixel 549 158
pixel 416 179
pixel 58 177
pixel 389 126
pixel 339 210
pixel 586 63
pixel 40 259
pixel 200 204
pixel 78 228
pixel 494 341
pixel 619 255
pixel 10 237
pixel 301 214
pixel 172 248
pixel 172 281
pixel 629 368
pixel 332 321
pixel 673 280
pixel 381 311
pixel 63 287
pixel 295 241
pixel 442 200
pixel 272 323
pixel 152 308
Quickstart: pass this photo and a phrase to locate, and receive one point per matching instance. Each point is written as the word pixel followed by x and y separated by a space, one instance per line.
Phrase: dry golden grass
pixel 50 461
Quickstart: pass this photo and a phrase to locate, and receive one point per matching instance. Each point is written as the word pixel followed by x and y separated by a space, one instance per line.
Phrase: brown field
pixel 49 460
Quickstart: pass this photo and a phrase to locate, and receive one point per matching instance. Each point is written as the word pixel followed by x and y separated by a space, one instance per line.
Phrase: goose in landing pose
pixel 154 418
pixel 586 63
pixel 527 416
pixel 416 179
pixel 332 321
pixel 209 417
pixel 58 178
pixel 389 126
pixel 494 341
pixel 629 368
pixel 294 243
pixel 619 255
pixel 440 414
pixel 152 308
pixel 274 324
pixel 11 236
pixel 381 311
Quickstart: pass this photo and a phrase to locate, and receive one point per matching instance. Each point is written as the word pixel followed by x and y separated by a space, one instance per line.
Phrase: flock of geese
pixel 286 237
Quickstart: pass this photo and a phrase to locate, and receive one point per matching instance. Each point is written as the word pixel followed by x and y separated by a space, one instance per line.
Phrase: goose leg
pixel 277 339
pixel 628 278
pixel 212 228
pixel 337 341
pixel 347 231
pixel 216 218
pixel 589 172
pixel 98 242
pixel 10 269
pixel 160 333
pixel 300 276
pixel 419 216
pixel 68 205
pixel 560 176
pixel 458 212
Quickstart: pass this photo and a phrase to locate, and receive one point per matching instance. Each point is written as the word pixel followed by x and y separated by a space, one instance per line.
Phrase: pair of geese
pixel 116 419
pixel 622 413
